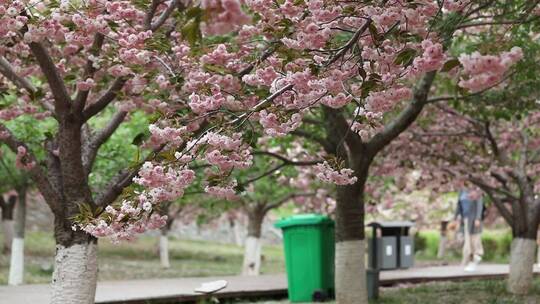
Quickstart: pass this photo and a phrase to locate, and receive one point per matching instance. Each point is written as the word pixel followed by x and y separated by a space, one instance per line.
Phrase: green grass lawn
pixel 471 292
pixel 139 259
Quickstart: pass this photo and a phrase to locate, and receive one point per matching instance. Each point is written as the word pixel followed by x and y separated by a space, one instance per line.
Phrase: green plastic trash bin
pixel 309 256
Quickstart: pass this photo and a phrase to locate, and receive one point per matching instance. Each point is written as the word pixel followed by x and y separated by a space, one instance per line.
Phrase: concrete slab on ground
pixel 182 289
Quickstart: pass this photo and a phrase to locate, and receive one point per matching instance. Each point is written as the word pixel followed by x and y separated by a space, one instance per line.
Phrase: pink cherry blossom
pixel 330 175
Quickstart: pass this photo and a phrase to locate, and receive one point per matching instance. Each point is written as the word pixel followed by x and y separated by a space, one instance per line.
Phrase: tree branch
pixel 263 103
pixel 62 101
pixel 506 214
pixel 286 199
pixel 7 70
pixel 150 14
pixel 405 118
pixel 52 198
pixel 163 17
pixel 267 53
pixel 286 160
pixel 90 153
pixel 502 22
pixel 104 100
pixel 122 180
pixel 350 43
pixel 89 70
pixel 307 135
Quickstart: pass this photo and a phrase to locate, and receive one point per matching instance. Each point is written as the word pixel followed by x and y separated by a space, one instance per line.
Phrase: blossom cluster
pixel 485 71
pixel 226 192
pixel 330 175
pixel 123 223
pixel 226 15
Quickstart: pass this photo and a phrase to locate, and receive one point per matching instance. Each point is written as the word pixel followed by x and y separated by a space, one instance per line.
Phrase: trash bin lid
pixel 304 220
pixel 394 224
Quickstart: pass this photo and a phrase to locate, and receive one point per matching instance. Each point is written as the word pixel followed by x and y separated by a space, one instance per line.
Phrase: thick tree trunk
pixel 75 271
pixel 538 255
pixel 16 266
pixel 350 272
pixel 7 228
pixel 7 222
pixel 521 265
pixel 351 286
pixel 164 248
pixel 253 245
pixel 252 256
pixel 75 274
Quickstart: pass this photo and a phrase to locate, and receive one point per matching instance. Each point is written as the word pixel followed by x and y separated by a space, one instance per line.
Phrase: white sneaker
pixel 477 259
pixel 470 267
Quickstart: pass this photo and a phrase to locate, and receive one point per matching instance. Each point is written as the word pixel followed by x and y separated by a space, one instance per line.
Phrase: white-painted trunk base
pixel 442 247
pixel 351 285
pixel 75 274
pixel 164 251
pixel 8 229
pixel 252 256
pixel 16 264
pixel 521 265
pixel 538 255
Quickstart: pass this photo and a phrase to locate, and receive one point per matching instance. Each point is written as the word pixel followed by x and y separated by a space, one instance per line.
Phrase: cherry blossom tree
pixel 215 72
pixel 281 173
pixel 499 157
pixel 269 184
pixel 491 145
pixel 401 195
pixel 14 218
pixel 16 182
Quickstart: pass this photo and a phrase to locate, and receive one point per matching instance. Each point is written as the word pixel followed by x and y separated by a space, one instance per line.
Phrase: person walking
pixel 469 215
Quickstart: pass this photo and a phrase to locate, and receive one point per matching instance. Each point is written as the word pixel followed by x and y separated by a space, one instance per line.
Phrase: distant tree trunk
pixel 524 218
pixel 442 242
pixel 237 231
pixel 538 255
pixel 16 266
pixel 164 247
pixel 7 221
pixel 522 255
pixel 164 236
pixel 253 246
pixel 521 265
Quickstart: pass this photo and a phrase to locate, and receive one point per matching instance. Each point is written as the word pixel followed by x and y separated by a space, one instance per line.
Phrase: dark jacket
pixel 469 210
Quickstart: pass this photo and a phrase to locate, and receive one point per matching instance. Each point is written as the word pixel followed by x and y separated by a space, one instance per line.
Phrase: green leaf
pixel 450 64
pixel 194 12
pixel 138 139
pixel 405 57
pixel 191 31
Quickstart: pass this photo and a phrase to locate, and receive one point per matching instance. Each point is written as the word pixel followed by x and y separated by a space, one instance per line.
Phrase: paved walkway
pixel 181 290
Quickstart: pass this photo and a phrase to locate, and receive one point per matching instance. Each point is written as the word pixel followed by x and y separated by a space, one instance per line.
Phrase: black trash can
pixel 391 246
